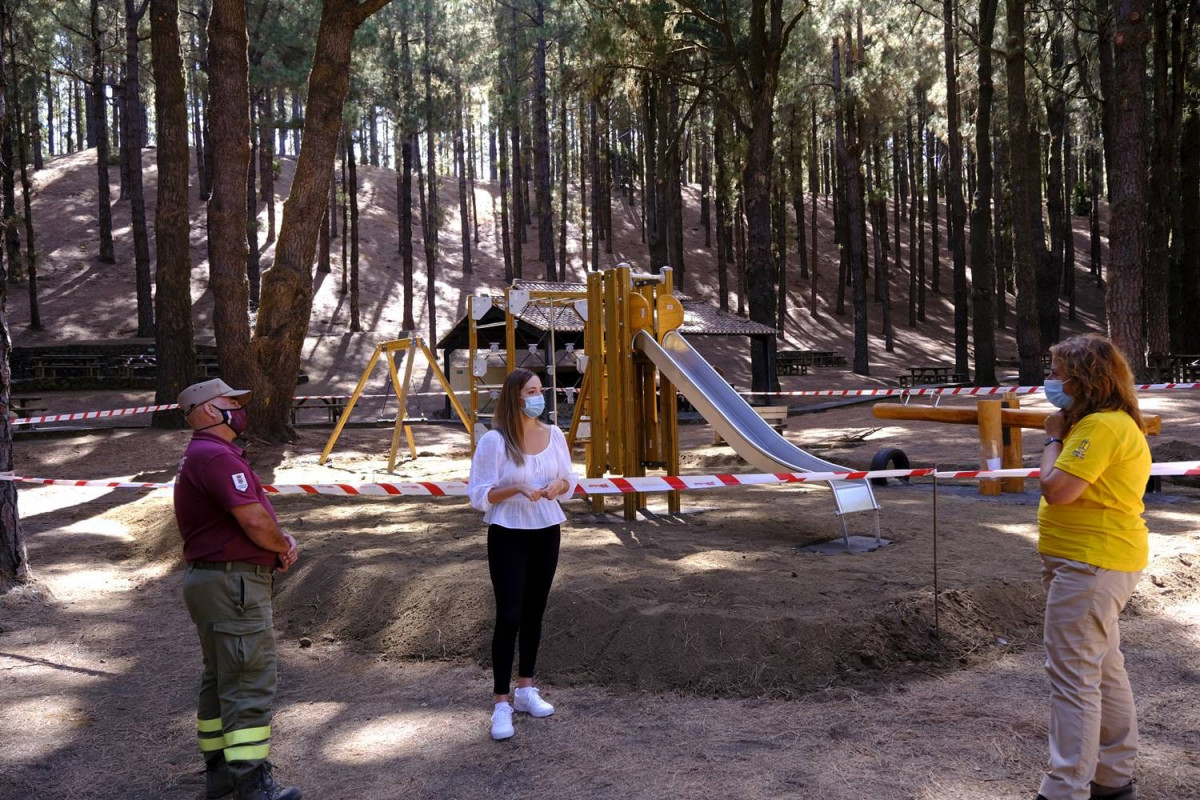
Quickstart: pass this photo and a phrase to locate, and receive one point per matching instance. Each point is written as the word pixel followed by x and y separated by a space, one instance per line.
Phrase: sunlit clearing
pixel 711 561
pixel 74 579
pixel 381 739
pixel 98 526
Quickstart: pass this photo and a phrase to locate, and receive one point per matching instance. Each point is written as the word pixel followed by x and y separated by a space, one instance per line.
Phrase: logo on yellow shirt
pixel 1081 451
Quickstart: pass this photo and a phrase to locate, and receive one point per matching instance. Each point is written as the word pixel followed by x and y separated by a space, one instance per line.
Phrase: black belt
pixel 232 566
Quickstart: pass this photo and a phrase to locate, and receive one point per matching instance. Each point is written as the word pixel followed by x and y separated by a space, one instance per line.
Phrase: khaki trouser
pixel 232 612
pixel 1093 723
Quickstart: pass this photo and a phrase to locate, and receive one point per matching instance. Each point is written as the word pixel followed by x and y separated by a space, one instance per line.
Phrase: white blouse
pixel 492 468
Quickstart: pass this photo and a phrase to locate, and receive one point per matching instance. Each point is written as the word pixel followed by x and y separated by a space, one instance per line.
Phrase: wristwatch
pixel 1050 440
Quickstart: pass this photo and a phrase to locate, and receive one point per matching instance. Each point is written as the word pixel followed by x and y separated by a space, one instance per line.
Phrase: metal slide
pixel 750 435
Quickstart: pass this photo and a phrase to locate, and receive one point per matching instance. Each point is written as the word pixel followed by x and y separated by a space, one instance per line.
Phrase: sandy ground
pixel 691 657
pixel 696 656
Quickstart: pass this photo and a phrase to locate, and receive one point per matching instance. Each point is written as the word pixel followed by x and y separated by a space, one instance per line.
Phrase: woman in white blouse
pixel 520 470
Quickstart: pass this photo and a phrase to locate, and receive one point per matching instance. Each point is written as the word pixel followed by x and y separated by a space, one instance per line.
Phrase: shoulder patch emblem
pixel 1081 451
pixel 239 481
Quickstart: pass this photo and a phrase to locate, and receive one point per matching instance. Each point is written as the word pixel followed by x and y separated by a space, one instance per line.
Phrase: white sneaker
pixel 529 701
pixel 502 727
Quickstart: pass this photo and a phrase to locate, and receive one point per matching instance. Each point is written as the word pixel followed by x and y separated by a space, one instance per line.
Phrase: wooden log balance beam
pixel 999 423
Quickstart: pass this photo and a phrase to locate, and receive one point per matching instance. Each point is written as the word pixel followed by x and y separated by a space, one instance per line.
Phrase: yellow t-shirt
pixel 1104 525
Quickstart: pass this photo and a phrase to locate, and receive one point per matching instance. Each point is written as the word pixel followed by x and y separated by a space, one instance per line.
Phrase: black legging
pixel 522 564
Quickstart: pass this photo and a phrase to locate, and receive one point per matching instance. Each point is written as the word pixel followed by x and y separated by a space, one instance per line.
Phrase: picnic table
pixel 926 374
pixel 792 362
pixel 1174 367
pixel 67 364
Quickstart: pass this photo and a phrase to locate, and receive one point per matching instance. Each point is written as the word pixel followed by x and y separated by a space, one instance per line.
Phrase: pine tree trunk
pixel 656 241
pixel 1002 222
pixel 266 160
pixel 407 143
pixel 252 261
pixel 1128 240
pixel 50 102
pixel 931 206
pixel 849 147
pixel 1169 67
pixel 287 287
pixel 919 170
pixel 954 196
pixel 723 190
pixel 899 201
pixel 103 196
pixel 706 188
pixel 460 162
pixel 174 346
pixel 133 155
pixel 198 123
pixel 541 148
pixel 594 154
pixel 1068 233
pixel 433 211
pixel 352 199
pixel 17 128
pixel 14 561
pixel 796 168
pixel 1050 279
pixel 1095 264
pixel 814 182
pixel 982 270
pixel 281 119
pixel 229 127
pixel 779 228
pixel 564 148
pixel 915 253
pixel 1029 246
pixel 1185 286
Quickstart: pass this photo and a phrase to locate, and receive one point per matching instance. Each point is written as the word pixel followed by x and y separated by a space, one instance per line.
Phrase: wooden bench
pixel 928 374
pixel 332 406
pixel 775 415
pixel 67 365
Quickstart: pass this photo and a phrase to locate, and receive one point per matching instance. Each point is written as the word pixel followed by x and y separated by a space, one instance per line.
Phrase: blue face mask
pixel 1056 395
pixel 534 406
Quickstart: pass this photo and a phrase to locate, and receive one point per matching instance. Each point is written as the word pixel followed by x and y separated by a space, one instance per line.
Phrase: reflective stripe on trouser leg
pixel 248 744
pixel 208 732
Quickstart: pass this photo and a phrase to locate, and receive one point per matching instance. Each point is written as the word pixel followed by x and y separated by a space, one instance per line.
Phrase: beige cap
pixel 202 392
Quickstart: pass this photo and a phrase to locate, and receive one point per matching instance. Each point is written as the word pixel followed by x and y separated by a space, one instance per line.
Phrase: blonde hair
pixel 507 419
pixel 1100 375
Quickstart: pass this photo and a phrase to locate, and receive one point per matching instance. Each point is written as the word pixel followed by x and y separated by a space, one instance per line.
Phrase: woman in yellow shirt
pixel 1093 544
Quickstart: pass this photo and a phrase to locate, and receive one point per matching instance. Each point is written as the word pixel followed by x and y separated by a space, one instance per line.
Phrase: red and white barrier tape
pixel 589 486
pixel 964 391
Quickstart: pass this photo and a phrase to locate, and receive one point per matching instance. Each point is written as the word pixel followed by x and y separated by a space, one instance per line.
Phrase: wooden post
pixel 991 443
pixel 341 423
pixel 1012 458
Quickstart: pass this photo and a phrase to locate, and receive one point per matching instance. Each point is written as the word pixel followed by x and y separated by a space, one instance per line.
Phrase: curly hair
pixel 1100 375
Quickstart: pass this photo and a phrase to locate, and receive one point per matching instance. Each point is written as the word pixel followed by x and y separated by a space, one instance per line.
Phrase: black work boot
pixel 218 780
pixel 259 785
pixel 1126 792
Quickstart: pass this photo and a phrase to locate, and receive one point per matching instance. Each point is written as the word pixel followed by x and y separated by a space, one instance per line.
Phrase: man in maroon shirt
pixel 233 544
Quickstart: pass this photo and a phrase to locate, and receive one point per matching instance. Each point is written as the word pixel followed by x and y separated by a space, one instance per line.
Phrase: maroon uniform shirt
pixel 215 478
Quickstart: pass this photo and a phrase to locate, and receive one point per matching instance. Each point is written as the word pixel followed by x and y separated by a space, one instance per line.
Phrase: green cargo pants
pixel 232 612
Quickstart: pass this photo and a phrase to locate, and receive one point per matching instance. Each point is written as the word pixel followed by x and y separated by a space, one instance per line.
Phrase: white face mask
pixel 1056 395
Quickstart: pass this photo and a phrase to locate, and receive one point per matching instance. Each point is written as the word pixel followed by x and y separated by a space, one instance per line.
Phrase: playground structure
pixel 408 349
pixel 634 360
pixel 1000 422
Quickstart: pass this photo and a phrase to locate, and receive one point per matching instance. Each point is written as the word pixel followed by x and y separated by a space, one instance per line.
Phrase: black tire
pixel 888 458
